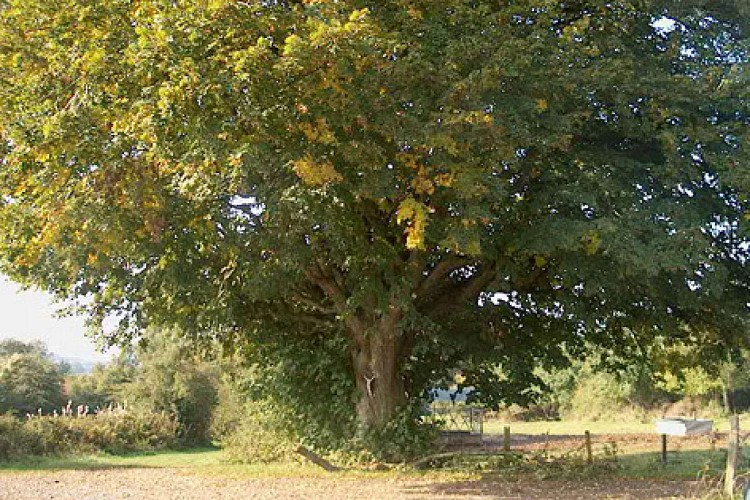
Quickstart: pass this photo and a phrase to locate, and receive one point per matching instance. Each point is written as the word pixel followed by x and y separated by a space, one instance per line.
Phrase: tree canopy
pixel 395 190
pixel 30 379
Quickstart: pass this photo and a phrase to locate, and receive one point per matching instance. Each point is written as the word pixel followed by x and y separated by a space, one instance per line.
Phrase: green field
pixel 568 427
pixel 204 461
pixel 619 460
pixel 620 457
pixel 572 428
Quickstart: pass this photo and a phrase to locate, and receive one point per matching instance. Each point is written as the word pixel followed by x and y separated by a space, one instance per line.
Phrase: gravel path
pixel 163 484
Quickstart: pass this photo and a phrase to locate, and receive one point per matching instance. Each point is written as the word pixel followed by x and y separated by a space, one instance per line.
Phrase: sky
pixel 30 315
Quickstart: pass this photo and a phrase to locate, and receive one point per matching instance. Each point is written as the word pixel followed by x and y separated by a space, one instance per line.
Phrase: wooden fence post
pixel 506 439
pixel 589 455
pixel 733 452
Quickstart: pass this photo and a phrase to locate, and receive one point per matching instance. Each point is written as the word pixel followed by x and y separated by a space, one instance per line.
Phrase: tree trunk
pixel 377 363
pixel 726 399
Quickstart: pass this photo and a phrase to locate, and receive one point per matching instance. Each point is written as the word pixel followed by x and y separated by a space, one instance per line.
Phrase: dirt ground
pixel 159 483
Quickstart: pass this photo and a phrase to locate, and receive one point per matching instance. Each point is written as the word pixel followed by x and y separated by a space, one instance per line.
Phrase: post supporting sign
pixel 681 427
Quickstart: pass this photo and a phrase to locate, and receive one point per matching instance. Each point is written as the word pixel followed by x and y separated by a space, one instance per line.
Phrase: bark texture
pixel 376 361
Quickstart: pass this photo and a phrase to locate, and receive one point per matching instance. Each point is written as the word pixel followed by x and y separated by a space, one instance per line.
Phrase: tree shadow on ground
pixel 144 460
pixel 490 487
pixel 73 463
pixel 688 473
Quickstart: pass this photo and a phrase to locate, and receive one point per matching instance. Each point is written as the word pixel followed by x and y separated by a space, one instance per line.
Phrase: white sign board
pixel 684 426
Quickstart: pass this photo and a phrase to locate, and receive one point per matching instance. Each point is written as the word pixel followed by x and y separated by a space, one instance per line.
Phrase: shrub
pixel 259 434
pixel 106 432
pixel 15 439
pixel 171 379
pixel 121 433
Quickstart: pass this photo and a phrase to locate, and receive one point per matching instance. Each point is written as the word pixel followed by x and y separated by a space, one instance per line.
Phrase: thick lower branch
pixel 455 294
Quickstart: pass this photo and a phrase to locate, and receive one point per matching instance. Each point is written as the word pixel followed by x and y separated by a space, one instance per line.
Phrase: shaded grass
pixel 686 464
pixel 213 463
pixel 184 458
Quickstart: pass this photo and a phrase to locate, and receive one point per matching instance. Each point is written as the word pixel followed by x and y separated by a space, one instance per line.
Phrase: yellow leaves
pixel 410 160
pixel 17 60
pixel 542 105
pixel 313 173
pixel 292 43
pixel 93 58
pixel 235 160
pixel 463 245
pixel 359 15
pixel 42 157
pixel 415 215
pixel 540 261
pixel 446 142
pixel 474 247
pixel 591 241
pixel 318 132
pixel 414 13
pixel 444 180
pixel 422 184
pixel 215 5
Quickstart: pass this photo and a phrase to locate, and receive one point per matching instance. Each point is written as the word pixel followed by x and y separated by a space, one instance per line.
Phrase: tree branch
pixel 461 291
pixel 313 304
pixel 441 271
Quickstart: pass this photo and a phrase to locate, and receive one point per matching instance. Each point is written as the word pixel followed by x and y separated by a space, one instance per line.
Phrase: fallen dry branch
pixel 439 459
pixel 317 459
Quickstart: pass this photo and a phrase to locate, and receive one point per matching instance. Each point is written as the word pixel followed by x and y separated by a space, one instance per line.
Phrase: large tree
pixel 419 186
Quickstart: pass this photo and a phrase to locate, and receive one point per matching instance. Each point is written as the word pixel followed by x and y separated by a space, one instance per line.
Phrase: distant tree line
pixel 159 377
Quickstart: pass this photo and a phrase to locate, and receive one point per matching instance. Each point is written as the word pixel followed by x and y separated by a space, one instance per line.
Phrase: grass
pixel 201 461
pixel 573 428
pixel 630 463
pixel 578 427
pixel 195 458
pixel 212 463
pixel 631 458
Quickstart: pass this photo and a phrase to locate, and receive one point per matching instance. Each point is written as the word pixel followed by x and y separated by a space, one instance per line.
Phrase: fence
pixel 456 418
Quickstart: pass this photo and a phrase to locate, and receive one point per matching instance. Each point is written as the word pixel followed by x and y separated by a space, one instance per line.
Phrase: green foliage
pixel 403 437
pixel 171 378
pixel 425 186
pixel 29 378
pixel 9 347
pixel 105 432
pixel 283 401
pixel 15 440
pixel 103 386
pixel 601 387
pixel 260 433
